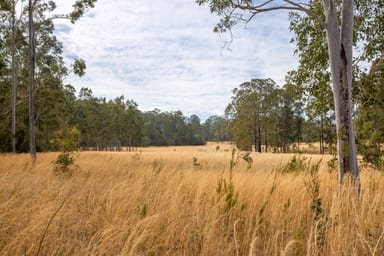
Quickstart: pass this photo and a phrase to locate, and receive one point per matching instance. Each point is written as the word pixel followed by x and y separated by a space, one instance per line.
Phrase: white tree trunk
pixel 340 56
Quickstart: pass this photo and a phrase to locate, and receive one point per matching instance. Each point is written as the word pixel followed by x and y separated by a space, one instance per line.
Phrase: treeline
pixel 274 119
pixel 104 124
pixel 266 117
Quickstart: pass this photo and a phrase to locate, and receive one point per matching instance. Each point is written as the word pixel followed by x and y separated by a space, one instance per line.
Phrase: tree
pixel 312 75
pixel 290 121
pixel 80 7
pixel 215 128
pixel 31 30
pixel 370 22
pixel 14 83
pixel 250 113
pixel 337 20
pixel 370 121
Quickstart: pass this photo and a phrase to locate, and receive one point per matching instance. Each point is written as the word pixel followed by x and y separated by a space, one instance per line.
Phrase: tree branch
pixel 59 16
pixel 308 12
pixel 263 7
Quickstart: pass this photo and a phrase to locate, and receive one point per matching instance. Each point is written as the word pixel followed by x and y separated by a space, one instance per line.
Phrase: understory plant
pixel 66 141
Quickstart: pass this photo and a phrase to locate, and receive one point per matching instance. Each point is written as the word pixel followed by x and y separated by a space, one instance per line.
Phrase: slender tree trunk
pixel 340 55
pixel 32 141
pixel 259 140
pixel 321 134
pixel 14 84
pixel 266 139
pixel 330 134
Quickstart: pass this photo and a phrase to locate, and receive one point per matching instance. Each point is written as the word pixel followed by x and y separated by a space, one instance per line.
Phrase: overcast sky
pixel 163 53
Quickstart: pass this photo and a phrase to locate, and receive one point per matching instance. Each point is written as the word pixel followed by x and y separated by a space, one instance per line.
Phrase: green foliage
pixel 79 67
pixel 80 7
pixel 216 128
pixel 370 26
pixel 173 129
pixel 321 221
pixel 226 189
pixel 64 159
pixel 370 122
pixel 53 103
pixel 64 163
pixel 332 164
pixel 260 113
pixel 66 140
pixel 297 164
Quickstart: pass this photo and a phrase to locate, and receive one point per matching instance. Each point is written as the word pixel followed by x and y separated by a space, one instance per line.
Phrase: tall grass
pixel 158 203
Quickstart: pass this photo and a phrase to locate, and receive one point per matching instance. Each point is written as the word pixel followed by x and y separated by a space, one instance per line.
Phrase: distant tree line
pixel 265 117
pixel 103 124
pixel 275 119
pixel 261 115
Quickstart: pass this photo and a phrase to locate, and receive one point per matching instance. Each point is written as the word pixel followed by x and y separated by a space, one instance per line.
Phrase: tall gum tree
pixel 79 8
pixel 337 20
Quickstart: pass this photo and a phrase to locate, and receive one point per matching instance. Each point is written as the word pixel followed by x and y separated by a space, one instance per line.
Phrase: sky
pixel 163 54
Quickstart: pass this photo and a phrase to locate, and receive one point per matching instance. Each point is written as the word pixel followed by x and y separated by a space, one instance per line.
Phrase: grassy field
pixel 159 201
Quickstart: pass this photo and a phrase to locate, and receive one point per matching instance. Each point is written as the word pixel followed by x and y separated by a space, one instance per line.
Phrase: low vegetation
pixel 156 202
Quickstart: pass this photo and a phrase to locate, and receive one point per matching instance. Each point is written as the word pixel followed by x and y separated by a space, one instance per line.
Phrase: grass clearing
pixel 158 202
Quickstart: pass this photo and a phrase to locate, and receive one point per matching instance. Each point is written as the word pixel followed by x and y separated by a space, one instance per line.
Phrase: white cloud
pixel 163 54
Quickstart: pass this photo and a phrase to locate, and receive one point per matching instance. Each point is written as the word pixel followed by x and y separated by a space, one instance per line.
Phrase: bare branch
pixel 59 16
pixel 266 7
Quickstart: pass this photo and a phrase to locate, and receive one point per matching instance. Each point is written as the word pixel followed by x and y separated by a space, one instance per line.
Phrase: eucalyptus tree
pixel 216 128
pixel 250 113
pixel 10 24
pixel 312 74
pixel 370 121
pixel 31 32
pixel 370 27
pixel 39 7
pixel 290 120
pixel 337 20
pixel 14 83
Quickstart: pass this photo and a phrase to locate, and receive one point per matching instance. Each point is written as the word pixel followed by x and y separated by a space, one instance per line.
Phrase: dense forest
pixel 260 116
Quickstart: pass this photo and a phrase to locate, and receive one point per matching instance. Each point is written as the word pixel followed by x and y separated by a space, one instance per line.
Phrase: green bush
pixel 66 141
pixel 64 163
pixel 296 164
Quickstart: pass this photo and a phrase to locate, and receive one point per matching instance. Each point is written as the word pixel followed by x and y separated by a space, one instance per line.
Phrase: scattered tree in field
pixel 250 113
pixel 263 115
pixel 337 20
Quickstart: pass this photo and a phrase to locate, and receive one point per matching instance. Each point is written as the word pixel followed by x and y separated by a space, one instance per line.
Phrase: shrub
pixel 64 163
pixel 65 140
pixel 296 164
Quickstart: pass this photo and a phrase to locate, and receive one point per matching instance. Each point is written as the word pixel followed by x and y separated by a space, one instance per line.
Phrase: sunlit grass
pixel 157 202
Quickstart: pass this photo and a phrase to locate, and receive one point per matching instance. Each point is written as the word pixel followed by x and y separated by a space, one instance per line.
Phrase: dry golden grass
pixel 156 202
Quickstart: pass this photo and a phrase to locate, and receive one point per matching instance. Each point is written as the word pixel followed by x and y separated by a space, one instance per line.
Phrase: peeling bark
pixel 340 56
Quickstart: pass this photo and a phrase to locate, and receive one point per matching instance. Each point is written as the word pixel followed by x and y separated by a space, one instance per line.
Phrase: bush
pixel 296 164
pixel 64 163
pixel 65 140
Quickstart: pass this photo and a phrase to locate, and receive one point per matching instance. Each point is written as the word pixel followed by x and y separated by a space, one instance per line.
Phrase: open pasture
pixel 185 201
